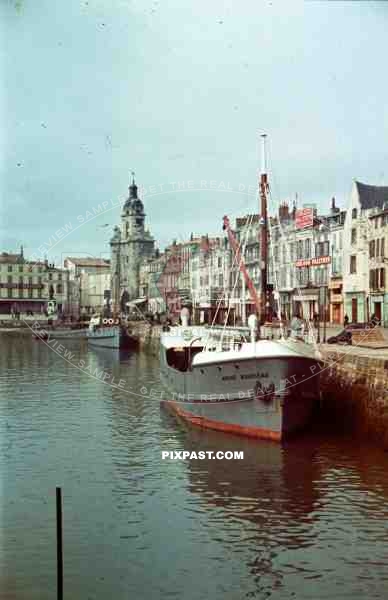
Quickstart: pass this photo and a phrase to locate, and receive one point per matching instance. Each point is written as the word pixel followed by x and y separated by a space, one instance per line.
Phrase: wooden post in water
pixel 59 546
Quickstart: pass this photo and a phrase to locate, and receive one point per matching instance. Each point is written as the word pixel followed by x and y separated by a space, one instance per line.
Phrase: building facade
pixel 209 277
pixel 27 286
pixel 89 284
pixel 364 200
pixel 377 241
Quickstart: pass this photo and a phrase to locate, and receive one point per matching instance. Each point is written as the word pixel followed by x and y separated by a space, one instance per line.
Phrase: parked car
pixel 345 336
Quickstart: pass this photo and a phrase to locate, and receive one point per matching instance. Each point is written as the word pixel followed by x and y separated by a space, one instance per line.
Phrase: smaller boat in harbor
pixel 110 333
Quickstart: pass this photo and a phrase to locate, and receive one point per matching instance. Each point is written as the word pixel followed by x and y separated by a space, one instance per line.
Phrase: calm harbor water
pixel 308 519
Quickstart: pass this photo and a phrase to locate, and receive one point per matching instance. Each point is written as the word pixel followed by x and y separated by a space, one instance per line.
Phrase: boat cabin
pixel 179 345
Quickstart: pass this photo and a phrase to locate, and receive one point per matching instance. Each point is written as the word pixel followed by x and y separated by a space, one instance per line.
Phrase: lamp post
pixel 319 318
pixel 324 308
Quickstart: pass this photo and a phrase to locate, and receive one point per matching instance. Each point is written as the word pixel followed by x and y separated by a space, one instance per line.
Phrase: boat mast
pixel 263 232
pixel 118 280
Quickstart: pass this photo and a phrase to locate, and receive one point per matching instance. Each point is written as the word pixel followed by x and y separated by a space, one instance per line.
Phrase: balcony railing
pixel 22 286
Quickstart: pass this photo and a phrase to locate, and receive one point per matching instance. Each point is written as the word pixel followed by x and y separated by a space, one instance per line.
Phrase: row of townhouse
pixel 192 273
pixel 205 273
pixel 27 286
pixel 329 266
pixel 306 270
pixel 80 288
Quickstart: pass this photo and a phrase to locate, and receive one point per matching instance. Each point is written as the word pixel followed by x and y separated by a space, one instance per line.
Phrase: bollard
pixel 59 545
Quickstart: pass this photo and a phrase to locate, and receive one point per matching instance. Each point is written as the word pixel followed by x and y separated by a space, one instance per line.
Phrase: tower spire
pixel 133 187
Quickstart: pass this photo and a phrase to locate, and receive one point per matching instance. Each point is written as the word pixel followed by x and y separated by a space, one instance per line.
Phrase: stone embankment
pixel 355 389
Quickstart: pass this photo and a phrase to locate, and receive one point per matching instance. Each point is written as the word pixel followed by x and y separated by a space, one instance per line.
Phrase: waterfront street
pixel 193 301
pixel 308 519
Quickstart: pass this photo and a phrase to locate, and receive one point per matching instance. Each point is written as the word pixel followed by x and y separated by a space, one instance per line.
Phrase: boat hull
pixel 66 334
pixel 268 398
pixel 115 337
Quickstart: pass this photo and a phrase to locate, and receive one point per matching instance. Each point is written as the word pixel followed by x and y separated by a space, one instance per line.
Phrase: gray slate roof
pixel 372 196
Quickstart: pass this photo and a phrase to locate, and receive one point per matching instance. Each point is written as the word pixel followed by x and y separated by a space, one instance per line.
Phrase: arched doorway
pixel 124 301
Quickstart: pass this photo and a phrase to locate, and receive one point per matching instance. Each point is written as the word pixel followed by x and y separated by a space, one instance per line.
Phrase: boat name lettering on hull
pixel 254 375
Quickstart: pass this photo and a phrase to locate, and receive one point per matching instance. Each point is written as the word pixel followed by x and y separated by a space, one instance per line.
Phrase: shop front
pixel 336 306
pixel 305 302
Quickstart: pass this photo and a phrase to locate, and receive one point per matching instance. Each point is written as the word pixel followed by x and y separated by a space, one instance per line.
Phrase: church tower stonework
pixel 130 243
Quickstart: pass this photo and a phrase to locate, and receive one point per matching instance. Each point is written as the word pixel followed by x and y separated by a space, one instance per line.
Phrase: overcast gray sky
pixel 177 90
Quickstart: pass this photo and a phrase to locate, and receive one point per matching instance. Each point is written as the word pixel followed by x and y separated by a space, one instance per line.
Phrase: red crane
pixel 262 300
pixel 255 298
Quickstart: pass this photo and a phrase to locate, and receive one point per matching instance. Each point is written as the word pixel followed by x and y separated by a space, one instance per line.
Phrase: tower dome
pixel 138 205
pixel 132 198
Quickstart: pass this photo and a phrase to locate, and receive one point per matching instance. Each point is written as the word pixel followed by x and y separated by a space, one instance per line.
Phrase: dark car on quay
pixel 345 336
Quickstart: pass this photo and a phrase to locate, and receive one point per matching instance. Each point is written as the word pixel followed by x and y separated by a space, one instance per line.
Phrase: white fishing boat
pixel 110 333
pixel 227 379
pixel 261 388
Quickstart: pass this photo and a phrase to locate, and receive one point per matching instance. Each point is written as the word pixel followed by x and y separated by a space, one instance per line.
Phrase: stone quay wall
pixel 354 388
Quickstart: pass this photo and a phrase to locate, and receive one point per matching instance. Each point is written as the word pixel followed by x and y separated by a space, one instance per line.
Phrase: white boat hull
pixel 112 337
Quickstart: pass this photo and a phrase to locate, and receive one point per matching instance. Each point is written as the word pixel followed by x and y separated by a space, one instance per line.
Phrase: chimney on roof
pixel 284 213
pixel 334 208
pixel 204 243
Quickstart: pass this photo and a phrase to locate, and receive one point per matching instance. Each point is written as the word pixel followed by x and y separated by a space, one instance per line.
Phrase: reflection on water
pixel 307 519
